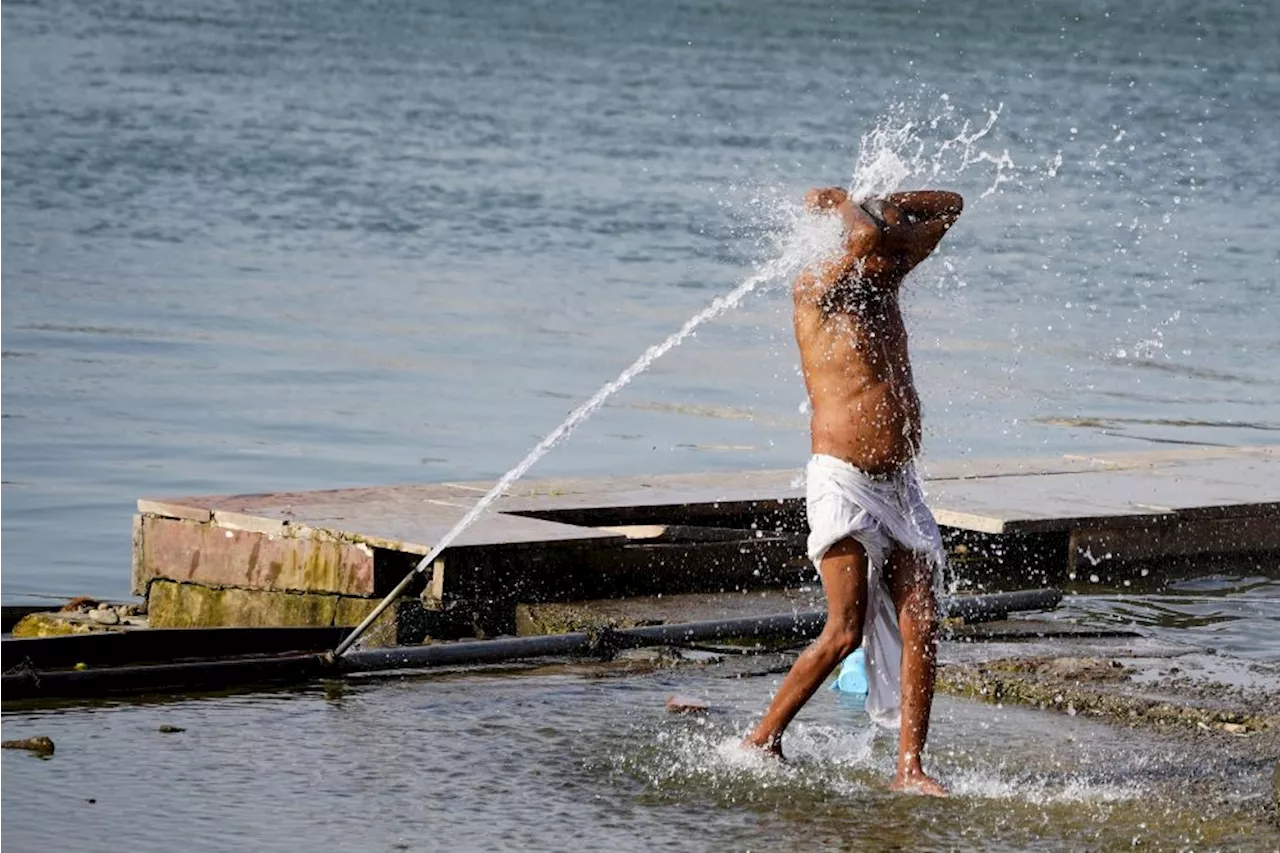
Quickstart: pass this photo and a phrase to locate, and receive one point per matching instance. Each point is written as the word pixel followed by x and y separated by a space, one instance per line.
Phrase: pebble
pixel 686 705
pixel 105 616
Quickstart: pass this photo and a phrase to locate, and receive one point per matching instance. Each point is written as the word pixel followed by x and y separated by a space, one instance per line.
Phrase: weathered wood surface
pixel 1130 490
pixel 400 518
pixel 1104 493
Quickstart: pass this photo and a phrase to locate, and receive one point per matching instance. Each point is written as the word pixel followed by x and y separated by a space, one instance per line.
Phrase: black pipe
pixel 170 677
pixel 998 605
pixel 162 646
pixel 802 625
pixel 294 668
pixel 464 653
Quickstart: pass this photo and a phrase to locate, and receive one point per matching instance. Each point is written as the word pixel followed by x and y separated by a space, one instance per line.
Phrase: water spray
pixel 890 154
pixel 808 238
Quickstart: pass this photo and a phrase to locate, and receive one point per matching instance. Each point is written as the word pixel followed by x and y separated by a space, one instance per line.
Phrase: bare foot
pixel 917 782
pixel 771 747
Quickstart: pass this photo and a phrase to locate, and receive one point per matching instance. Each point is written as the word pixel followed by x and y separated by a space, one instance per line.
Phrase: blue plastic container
pixel 852 678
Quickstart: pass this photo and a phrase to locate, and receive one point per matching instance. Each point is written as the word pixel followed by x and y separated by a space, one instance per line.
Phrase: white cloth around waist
pixel 880 514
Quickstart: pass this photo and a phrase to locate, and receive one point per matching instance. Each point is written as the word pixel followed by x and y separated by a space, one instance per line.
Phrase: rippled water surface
pixel 270 246
pixel 1237 615
pixel 287 245
pixel 557 761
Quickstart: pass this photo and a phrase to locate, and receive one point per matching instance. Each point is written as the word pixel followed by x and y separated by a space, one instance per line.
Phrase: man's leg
pixel 911 582
pixel 844 579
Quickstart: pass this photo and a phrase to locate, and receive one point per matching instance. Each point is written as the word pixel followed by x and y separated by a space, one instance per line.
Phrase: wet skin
pixel 853 350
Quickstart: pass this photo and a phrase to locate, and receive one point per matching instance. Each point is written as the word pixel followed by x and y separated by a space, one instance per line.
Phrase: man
pixel 873 539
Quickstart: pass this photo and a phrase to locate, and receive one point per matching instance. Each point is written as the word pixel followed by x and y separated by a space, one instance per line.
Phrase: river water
pixel 555 760
pixel 276 246
pixel 253 247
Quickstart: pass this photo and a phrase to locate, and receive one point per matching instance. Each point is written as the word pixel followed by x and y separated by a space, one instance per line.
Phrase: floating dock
pixel 324 558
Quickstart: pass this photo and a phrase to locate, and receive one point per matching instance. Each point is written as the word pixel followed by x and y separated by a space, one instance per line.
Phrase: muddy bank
pixel 1119 690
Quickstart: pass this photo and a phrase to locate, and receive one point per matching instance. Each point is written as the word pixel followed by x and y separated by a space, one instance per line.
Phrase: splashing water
pixel 805 239
pixel 825 762
pixel 896 151
pixel 822 761
pixel 891 153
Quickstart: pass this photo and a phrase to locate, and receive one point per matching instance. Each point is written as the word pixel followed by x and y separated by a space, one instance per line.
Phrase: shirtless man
pixel 873 539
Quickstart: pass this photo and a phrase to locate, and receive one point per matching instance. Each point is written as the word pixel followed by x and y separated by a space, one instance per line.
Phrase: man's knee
pixel 842 639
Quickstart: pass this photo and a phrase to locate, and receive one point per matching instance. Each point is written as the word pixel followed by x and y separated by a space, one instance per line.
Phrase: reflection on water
pixel 246 250
pixel 1233 614
pixel 555 762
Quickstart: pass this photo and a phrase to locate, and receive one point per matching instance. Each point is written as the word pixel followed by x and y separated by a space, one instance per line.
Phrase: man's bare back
pixel 853 343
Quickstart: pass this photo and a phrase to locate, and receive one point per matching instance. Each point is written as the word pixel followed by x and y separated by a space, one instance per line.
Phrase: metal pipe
pixel 998 605
pixel 464 653
pixel 359 630
pixel 195 675
pixel 295 668
pixel 802 625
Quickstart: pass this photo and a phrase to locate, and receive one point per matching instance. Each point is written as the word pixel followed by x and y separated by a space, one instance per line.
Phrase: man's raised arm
pixel 928 205
pixel 928 215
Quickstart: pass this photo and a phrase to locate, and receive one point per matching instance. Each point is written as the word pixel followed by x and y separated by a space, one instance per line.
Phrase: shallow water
pixel 305 245
pixel 554 761
pixel 257 247
pixel 1232 614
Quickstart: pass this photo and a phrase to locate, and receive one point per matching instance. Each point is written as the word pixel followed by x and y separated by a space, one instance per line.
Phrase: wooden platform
pixel 356 543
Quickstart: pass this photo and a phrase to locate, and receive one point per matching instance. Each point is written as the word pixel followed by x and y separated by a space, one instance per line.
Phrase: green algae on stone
pixel 51 624
pixel 1087 686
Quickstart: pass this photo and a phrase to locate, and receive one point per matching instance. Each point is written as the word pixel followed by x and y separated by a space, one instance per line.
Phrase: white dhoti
pixel 880 514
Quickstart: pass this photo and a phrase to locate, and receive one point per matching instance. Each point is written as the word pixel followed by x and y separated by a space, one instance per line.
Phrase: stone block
pixel 183 605
pixel 192 552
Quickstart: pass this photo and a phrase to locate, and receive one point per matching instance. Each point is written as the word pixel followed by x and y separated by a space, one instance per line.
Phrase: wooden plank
pixel 968 469
pixel 281 502
pixel 1255 479
pixel 994 496
pixel 177 508
pixel 1027 504
pixel 1168 456
pixel 407 518
pixel 416 527
pixel 250 523
pixel 683 533
pixel 1202 537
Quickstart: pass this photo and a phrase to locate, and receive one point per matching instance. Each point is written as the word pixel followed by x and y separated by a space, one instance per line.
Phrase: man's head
pixel 883 212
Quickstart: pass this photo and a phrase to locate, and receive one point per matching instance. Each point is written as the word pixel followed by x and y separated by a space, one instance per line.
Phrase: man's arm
pixel 927 215
pixel 920 205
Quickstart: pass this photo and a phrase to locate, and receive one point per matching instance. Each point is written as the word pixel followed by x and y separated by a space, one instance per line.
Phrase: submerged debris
pixel 687 705
pixel 39 745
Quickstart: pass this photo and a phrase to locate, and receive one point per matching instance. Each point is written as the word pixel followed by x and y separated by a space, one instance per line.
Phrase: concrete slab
pixel 1167 502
